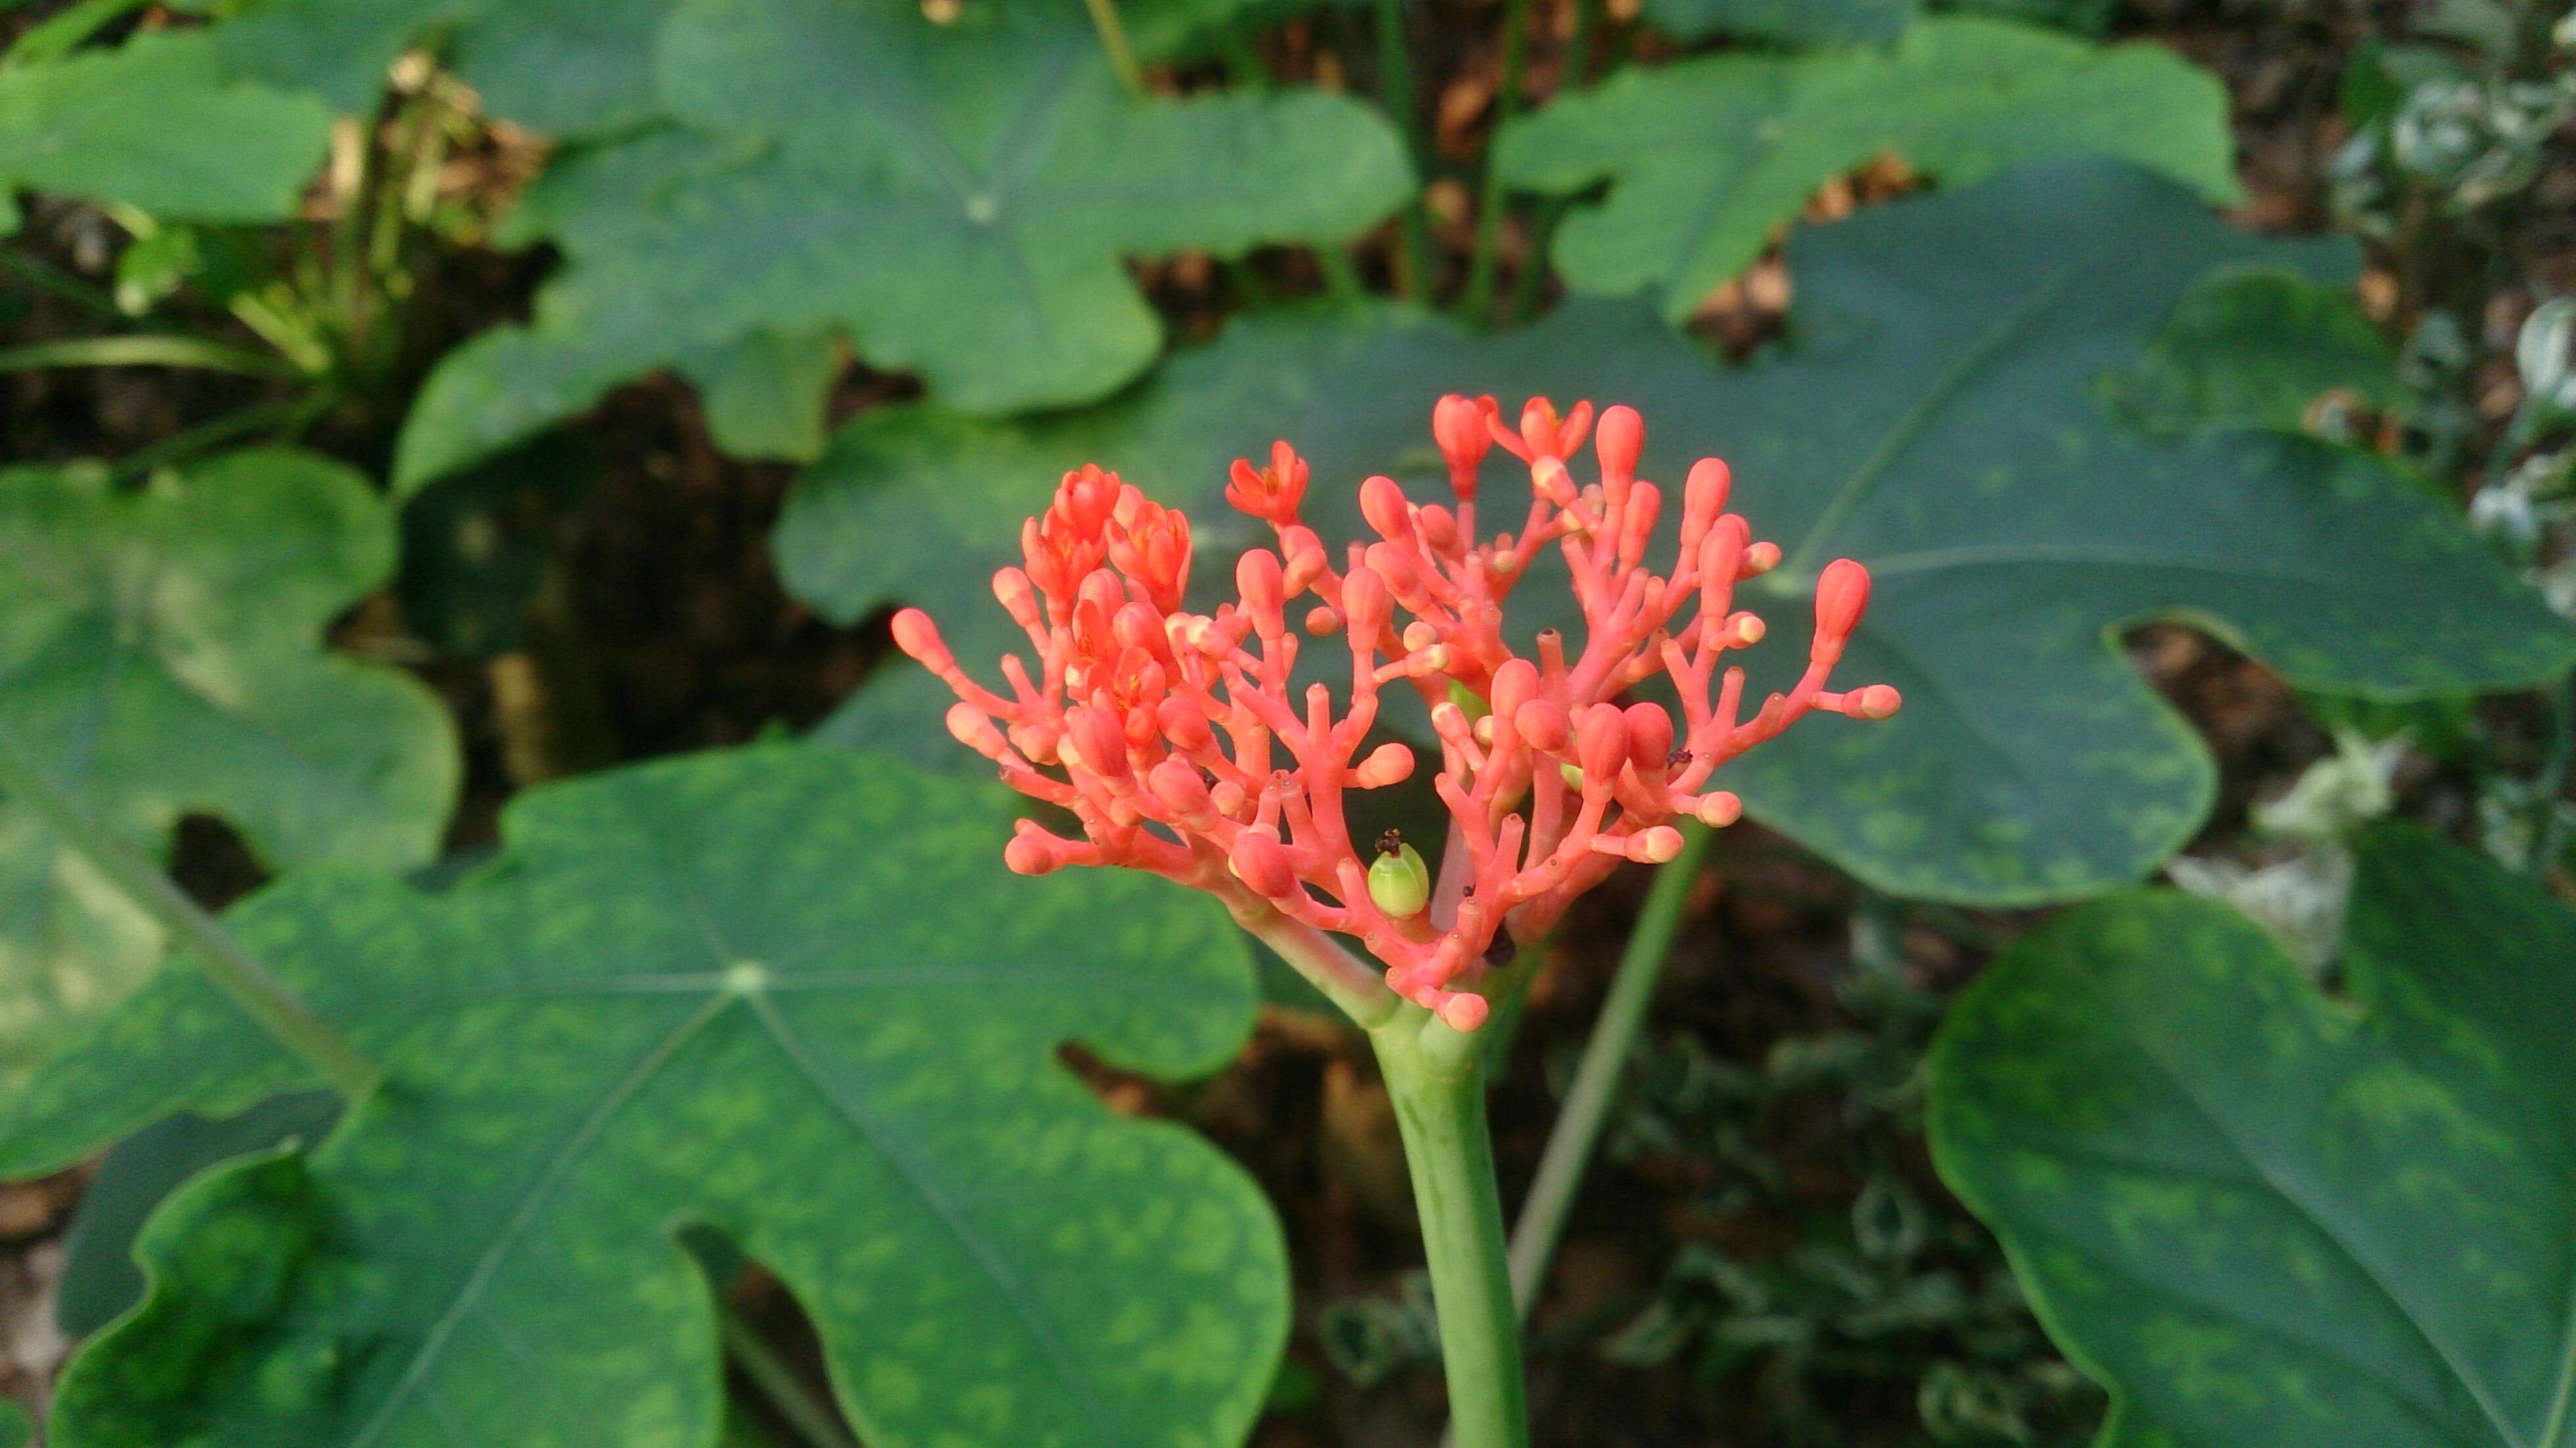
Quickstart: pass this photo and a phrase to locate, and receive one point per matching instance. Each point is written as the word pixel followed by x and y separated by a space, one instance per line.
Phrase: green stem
pixel 268 1000
pixel 1596 1080
pixel 150 351
pixel 817 1424
pixel 1113 39
pixel 1436 1080
pixel 1341 277
pixel 61 284
pixel 1489 205
pixel 1395 92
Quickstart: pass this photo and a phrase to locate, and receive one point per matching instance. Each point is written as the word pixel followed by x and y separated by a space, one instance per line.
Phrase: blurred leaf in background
pixel 161 655
pixel 158 124
pixel 957 198
pixel 1707 158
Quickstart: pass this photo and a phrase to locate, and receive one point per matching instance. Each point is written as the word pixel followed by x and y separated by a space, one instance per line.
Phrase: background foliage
pixel 415 403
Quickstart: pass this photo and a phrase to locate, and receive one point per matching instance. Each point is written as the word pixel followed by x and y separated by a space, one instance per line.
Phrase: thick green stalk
pixel 1596 1080
pixel 141 351
pixel 1436 1079
pixel 1395 93
pixel 268 1000
pixel 1489 205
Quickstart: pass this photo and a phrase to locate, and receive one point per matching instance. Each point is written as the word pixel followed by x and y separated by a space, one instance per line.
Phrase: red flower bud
pixel 1095 737
pixel 1542 723
pixel 1618 441
pixel 1601 743
pixel 1841 596
pixel 1387 764
pixel 1365 603
pixel 1382 504
pixel 1183 724
pixel 1458 425
pixel 1650 738
pixel 918 637
pixel 1177 784
pixel 1878 701
pixel 1515 684
pixel 1262 863
pixel 1257 578
pixel 1704 495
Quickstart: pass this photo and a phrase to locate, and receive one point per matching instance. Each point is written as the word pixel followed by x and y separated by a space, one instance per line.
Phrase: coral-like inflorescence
pixel 1178 742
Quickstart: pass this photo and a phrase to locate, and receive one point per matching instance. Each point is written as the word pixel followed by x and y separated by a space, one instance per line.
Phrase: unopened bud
pixel 1842 595
pixel 1542 723
pixel 1364 603
pixel 1463 1013
pixel 1761 558
pixel 1601 742
pixel 1387 764
pixel 1650 734
pixel 1617 441
pixel 1382 504
pixel 1262 863
pixel 1878 701
pixel 1177 784
pixel 1655 846
pixel 1031 853
pixel 974 729
pixel 1719 808
pixel 918 637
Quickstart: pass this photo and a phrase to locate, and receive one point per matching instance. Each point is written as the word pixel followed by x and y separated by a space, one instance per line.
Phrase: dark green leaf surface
pixel 2259 348
pixel 1788 22
pixel 157 124
pixel 958 199
pixel 161 654
pixel 1941 421
pixel 1707 158
pixel 568 68
pixel 786 993
pixel 2264 1217
pixel 101 1280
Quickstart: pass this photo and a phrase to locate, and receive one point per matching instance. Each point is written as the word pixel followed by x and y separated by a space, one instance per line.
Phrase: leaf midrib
pixel 2469 1380
pixel 1865 478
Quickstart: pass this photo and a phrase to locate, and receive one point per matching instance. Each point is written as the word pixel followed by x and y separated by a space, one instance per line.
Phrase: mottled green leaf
pixel 958 199
pixel 2260 348
pixel 568 68
pixel 785 993
pixel 158 125
pixel 1939 418
pixel 101 1280
pixel 1789 22
pixel 1707 158
pixel 161 654
pixel 2260 1216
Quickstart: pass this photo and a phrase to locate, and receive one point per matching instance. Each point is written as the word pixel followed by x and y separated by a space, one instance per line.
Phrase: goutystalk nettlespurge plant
pixel 1178 742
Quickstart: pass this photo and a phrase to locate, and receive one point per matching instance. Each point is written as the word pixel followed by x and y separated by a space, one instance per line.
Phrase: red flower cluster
pixel 1176 739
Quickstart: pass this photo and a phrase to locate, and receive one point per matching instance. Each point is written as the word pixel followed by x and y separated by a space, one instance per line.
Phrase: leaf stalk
pixel 265 998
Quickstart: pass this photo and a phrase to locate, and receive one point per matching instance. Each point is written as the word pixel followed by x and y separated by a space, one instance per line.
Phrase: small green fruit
pixel 1469 702
pixel 1400 883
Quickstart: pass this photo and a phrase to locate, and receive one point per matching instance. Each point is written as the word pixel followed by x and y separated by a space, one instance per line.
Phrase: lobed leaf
pixel 160 655
pixel 2261 1216
pixel 157 124
pixel 1708 158
pixel 1938 417
pixel 567 68
pixel 785 993
pixel 958 199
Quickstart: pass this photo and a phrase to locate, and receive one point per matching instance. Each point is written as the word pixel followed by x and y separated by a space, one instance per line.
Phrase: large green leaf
pixel 2258 347
pixel 787 993
pixel 568 68
pixel 1940 419
pixel 161 653
pixel 2262 1216
pixel 158 125
pixel 1707 158
pixel 959 199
